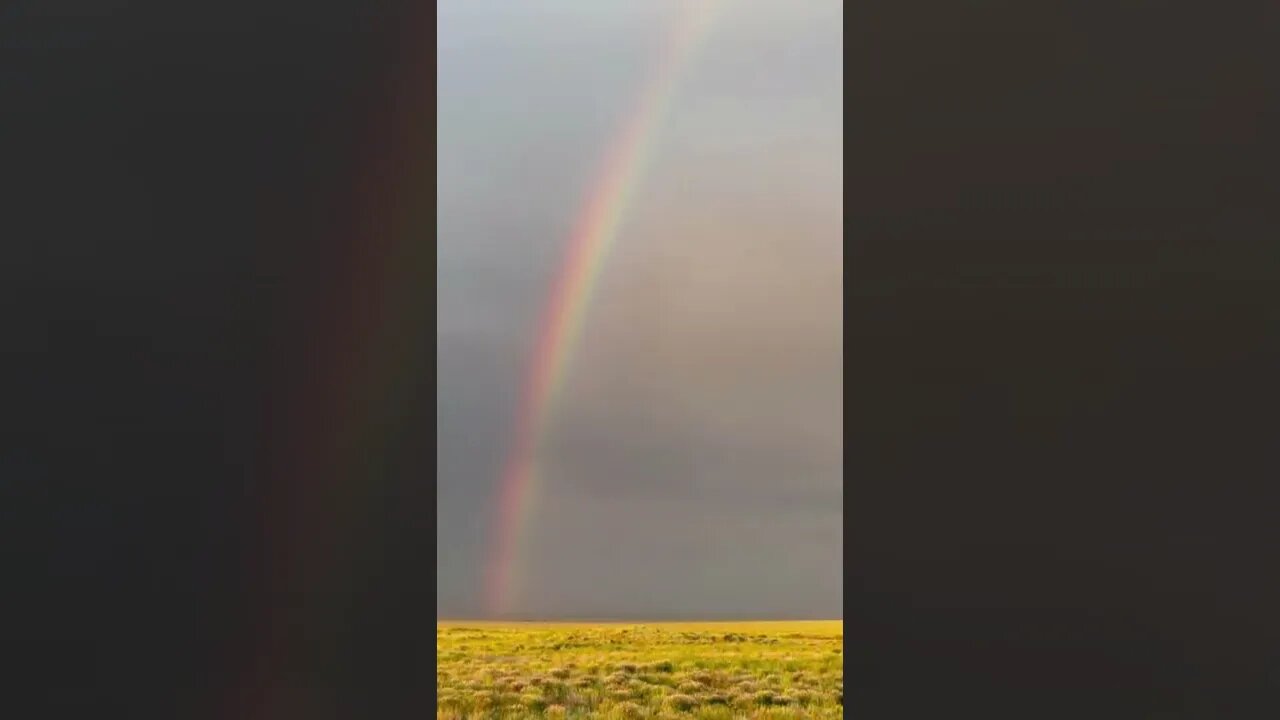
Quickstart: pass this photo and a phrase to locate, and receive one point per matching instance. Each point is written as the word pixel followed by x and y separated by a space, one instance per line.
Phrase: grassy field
pixel 714 671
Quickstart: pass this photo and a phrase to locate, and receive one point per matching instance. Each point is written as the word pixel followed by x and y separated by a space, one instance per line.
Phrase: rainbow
pixel 560 326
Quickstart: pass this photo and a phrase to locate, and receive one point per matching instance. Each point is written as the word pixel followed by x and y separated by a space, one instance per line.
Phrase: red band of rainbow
pixel 561 323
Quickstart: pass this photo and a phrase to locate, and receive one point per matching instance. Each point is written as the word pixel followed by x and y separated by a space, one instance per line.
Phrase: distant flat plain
pixel 707 669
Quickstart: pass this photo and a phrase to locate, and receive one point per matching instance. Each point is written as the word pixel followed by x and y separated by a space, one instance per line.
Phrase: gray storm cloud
pixel 693 463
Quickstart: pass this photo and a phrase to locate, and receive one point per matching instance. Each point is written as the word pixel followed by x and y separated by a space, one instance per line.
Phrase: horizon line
pixel 640 621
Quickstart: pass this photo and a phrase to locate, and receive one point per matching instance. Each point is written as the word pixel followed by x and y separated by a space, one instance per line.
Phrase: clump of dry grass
pixel 627 710
pixel 679 702
pixel 702 676
pixel 533 702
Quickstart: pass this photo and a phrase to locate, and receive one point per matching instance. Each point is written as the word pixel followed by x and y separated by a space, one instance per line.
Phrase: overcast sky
pixel 693 467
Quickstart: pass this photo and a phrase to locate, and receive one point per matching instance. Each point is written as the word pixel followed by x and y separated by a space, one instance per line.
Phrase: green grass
pixel 712 671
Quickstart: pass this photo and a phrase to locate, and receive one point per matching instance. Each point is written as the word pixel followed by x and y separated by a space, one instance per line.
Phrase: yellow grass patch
pixel 707 670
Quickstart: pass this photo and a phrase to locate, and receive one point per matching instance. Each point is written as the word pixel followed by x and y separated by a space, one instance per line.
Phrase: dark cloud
pixel 629 453
pixel 696 447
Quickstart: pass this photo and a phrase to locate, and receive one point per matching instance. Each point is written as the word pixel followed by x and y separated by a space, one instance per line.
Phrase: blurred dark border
pixel 182 197
pixel 1061 336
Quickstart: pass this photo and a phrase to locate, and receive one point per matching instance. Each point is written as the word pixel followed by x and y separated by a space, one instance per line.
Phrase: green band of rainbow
pixel 594 234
